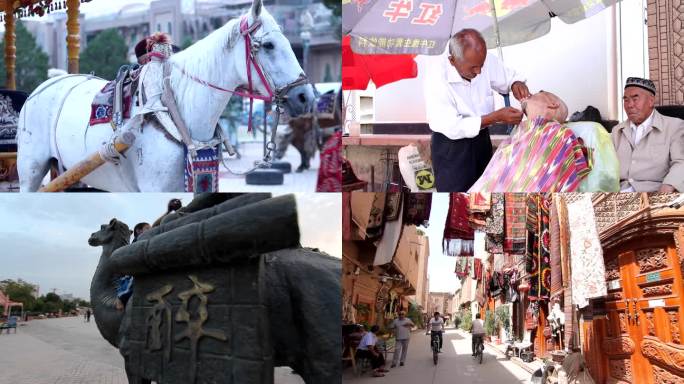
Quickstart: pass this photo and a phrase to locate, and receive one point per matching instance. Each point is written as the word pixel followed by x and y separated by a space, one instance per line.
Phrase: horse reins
pixel 279 97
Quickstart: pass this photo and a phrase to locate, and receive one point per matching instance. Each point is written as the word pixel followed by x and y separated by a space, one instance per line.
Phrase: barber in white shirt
pixel 459 101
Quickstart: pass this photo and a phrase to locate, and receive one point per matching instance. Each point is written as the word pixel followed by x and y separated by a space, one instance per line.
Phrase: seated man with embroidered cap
pixel 650 146
pixel 543 155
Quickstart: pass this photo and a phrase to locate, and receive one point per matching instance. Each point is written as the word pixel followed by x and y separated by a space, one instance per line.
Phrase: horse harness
pixel 279 96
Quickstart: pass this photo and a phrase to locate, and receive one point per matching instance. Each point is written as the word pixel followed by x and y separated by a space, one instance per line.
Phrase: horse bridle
pixel 279 96
pixel 252 47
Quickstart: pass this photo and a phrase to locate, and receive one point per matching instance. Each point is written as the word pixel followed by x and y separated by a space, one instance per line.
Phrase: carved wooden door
pixel 644 327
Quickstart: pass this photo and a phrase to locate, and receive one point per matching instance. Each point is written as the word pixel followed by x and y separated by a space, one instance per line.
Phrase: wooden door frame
pixel 662 230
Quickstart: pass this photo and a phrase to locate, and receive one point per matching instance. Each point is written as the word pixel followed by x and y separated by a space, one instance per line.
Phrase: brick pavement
pixel 69 351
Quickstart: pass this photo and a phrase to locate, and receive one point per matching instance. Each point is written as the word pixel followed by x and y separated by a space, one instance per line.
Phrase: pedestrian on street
pixel 436 327
pixel 367 349
pixel 88 313
pixel 402 331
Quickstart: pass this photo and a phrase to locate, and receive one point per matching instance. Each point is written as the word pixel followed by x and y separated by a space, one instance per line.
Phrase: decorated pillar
pixel 73 35
pixel 666 50
pixel 10 46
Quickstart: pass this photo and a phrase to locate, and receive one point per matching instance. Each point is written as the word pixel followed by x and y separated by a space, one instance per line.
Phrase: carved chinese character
pixel 195 320
pixel 158 317
pixel 400 9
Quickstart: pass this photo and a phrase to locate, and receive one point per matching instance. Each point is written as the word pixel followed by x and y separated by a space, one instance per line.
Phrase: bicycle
pixel 435 348
pixel 479 347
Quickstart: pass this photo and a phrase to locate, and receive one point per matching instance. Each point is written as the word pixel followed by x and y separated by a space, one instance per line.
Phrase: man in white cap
pixel 650 146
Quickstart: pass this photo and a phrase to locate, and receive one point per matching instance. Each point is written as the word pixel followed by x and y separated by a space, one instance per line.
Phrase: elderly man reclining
pixel 545 155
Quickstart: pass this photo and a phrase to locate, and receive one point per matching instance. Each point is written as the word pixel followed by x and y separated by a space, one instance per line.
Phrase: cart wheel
pixel 264 177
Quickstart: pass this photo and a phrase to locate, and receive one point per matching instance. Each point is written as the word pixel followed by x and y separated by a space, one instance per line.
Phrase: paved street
pixel 253 150
pixel 456 365
pixel 69 351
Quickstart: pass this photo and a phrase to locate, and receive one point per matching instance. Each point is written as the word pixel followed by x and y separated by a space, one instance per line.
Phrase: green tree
pixel 32 63
pixel 68 306
pixel 51 303
pixel 187 42
pixel 466 320
pixel 105 54
pixel 328 74
pixel 51 307
pixel 52 298
pixel 415 314
pixel 490 323
pixel 335 6
pixel 38 306
pixel 336 19
pixel 19 291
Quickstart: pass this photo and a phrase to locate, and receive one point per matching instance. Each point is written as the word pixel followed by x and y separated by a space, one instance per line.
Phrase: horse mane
pixel 195 59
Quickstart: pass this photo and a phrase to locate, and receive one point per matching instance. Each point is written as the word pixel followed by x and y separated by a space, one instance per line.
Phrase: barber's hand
pixel 520 91
pixel 509 115
pixel 666 188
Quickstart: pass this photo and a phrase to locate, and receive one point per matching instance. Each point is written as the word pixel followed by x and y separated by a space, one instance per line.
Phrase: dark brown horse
pixel 309 132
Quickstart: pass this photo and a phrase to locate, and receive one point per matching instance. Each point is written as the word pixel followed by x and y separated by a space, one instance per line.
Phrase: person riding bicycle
pixel 436 327
pixel 477 332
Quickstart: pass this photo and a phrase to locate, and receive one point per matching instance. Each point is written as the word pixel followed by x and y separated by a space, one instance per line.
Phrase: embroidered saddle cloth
pixel 103 105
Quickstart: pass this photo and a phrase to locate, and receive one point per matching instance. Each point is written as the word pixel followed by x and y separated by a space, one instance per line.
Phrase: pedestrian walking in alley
pixel 436 327
pixel 88 313
pixel 477 331
pixel 367 349
pixel 402 330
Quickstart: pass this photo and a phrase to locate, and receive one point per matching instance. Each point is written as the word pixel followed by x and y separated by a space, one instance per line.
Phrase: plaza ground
pixel 70 351
pixel 252 150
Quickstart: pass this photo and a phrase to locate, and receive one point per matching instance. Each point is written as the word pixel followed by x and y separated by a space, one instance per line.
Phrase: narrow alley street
pixel 456 365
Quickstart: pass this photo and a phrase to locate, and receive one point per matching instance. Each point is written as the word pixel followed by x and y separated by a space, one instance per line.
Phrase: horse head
pixel 278 62
pixel 115 233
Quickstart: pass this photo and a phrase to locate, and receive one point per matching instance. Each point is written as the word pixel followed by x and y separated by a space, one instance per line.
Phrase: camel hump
pixel 235 231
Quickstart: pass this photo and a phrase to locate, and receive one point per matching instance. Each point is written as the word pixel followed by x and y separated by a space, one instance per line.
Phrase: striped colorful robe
pixel 544 157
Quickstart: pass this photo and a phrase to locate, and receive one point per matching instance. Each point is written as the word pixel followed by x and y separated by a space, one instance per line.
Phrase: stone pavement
pixel 69 351
pixel 456 365
pixel 251 151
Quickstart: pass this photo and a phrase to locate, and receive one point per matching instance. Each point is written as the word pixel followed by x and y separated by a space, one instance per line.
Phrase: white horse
pixel 53 123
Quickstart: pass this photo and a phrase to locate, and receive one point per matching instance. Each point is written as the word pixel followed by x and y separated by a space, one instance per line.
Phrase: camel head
pixel 115 231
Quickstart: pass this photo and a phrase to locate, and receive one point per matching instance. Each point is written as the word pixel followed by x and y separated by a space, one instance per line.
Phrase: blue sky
pixel 43 237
